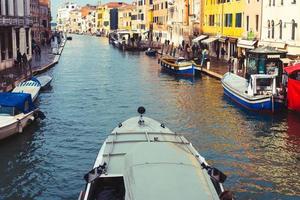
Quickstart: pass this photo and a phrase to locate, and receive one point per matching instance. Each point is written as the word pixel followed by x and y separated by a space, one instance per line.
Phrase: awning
pixel 247 44
pixel 209 40
pixel 223 39
pixel 279 45
pixel 286 60
pixel 293 50
pixel 199 38
pixel 292 69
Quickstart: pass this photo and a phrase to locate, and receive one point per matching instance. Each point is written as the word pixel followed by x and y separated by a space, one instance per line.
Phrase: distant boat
pixel 259 94
pixel 151 52
pixel 16 112
pixel 69 38
pixel 31 87
pixel 178 66
pixel 143 159
pixel 44 80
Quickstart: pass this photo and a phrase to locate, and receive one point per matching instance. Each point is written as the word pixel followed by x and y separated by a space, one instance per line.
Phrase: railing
pixel 15 21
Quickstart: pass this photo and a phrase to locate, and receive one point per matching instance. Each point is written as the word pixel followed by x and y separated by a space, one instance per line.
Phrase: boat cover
pixel 161 170
pixel 17 100
pixel 293 95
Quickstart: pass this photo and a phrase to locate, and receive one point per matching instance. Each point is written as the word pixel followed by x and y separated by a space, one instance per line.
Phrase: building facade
pixel 15 31
pixel 41 17
pixel 280 26
pixel 63 16
pixel 125 13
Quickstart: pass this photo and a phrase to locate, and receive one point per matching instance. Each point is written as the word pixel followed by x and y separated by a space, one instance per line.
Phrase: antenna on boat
pixel 141 110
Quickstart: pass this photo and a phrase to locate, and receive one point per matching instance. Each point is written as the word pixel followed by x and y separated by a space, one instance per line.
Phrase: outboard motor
pixel 39 115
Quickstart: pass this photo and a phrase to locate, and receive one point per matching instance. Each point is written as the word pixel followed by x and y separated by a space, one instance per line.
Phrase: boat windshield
pixel 7 110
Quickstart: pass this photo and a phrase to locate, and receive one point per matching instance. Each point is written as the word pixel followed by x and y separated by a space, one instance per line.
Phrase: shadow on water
pixel 96 86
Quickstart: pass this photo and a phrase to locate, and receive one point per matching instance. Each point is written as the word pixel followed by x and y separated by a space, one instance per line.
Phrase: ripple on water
pixel 96 86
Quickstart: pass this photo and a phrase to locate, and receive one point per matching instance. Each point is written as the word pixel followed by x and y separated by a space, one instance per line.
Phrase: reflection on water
pixel 96 86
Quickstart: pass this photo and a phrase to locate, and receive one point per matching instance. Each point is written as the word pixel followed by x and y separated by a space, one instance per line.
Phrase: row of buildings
pixel 233 25
pixel 21 22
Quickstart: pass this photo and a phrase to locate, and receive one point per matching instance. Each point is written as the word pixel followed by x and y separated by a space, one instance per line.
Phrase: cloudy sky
pixel 57 3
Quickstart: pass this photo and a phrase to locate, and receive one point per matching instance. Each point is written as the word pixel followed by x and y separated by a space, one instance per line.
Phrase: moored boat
pixel 44 80
pixel 258 93
pixel 293 87
pixel 151 52
pixel 69 38
pixel 16 112
pixel 31 87
pixel 177 66
pixel 142 159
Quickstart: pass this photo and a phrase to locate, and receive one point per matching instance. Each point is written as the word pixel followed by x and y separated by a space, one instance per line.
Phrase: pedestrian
pixel 235 64
pixel 223 52
pixel 242 61
pixel 25 62
pixel 230 65
pixel 204 57
pixel 218 52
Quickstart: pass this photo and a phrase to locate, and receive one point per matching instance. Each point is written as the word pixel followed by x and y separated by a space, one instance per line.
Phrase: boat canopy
pixel 22 101
pixel 160 170
pixel 292 69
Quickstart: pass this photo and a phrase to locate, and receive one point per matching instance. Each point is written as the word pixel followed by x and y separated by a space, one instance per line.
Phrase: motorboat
pixel 293 87
pixel 151 52
pixel 69 38
pixel 16 112
pixel 259 93
pixel 44 80
pixel 177 66
pixel 31 87
pixel 142 159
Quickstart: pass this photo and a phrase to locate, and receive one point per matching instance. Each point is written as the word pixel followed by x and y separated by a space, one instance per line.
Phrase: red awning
pixel 291 69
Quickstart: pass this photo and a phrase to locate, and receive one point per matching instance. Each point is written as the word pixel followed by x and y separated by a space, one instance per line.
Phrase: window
pixel 6 7
pixel 238 20
pixel 247 21
pixel 272 24
pixel 166 4
pixel 281 2
pixel 280 29
pixel 273 2
pixel 293 1
pixel 270 2
pixel 228 20
pixel 256 22
pixel 211 20
pixel 293 29
pixel 269 28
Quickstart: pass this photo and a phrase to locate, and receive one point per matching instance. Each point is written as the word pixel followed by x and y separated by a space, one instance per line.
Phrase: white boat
pixel 144 160
pixel 44 80
pixel 258 94
pixel 32 87
pixel 16 112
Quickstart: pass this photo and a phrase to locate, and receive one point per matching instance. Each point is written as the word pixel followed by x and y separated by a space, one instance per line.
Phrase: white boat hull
pixel 12 125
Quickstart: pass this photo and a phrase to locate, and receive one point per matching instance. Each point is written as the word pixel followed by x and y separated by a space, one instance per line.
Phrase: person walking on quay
pixel 204 57
pixel 218 52
pixel 241 62
pixel 223 52
pixel 235 64
pixel 230 63
pixel 19 61
pixel 25 64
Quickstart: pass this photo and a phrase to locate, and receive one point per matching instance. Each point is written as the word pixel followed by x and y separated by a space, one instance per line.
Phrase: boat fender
pixel 19 126
pixel 95 173
pixel 120 125
pixel 216 174
pixel 31 119
pixel 162 125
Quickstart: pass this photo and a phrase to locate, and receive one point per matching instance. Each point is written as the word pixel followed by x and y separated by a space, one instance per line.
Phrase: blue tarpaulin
pixel 17 100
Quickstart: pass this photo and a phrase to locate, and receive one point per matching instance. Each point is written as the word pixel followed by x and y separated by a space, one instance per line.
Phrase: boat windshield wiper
pixel 95 173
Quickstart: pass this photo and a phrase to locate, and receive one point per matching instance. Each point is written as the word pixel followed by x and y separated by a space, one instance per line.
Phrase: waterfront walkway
pixel 9 78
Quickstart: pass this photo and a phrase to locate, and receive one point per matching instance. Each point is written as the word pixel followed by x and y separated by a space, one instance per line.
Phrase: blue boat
pixel 16 112
pixel 178 66
pixel 151 52
pixel 258 94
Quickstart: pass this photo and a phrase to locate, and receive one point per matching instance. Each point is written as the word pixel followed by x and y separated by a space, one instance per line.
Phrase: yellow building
pixel 160 20
pixel 124 17
pixel 223 20
pixel 99 18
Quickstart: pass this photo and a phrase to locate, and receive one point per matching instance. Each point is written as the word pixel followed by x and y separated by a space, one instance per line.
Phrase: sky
pixel 56 3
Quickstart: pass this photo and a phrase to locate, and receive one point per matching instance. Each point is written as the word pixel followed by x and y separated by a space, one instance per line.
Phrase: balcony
pixel 15 21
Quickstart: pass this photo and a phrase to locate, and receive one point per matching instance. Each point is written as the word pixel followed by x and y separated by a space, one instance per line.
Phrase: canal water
pixel 96 86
